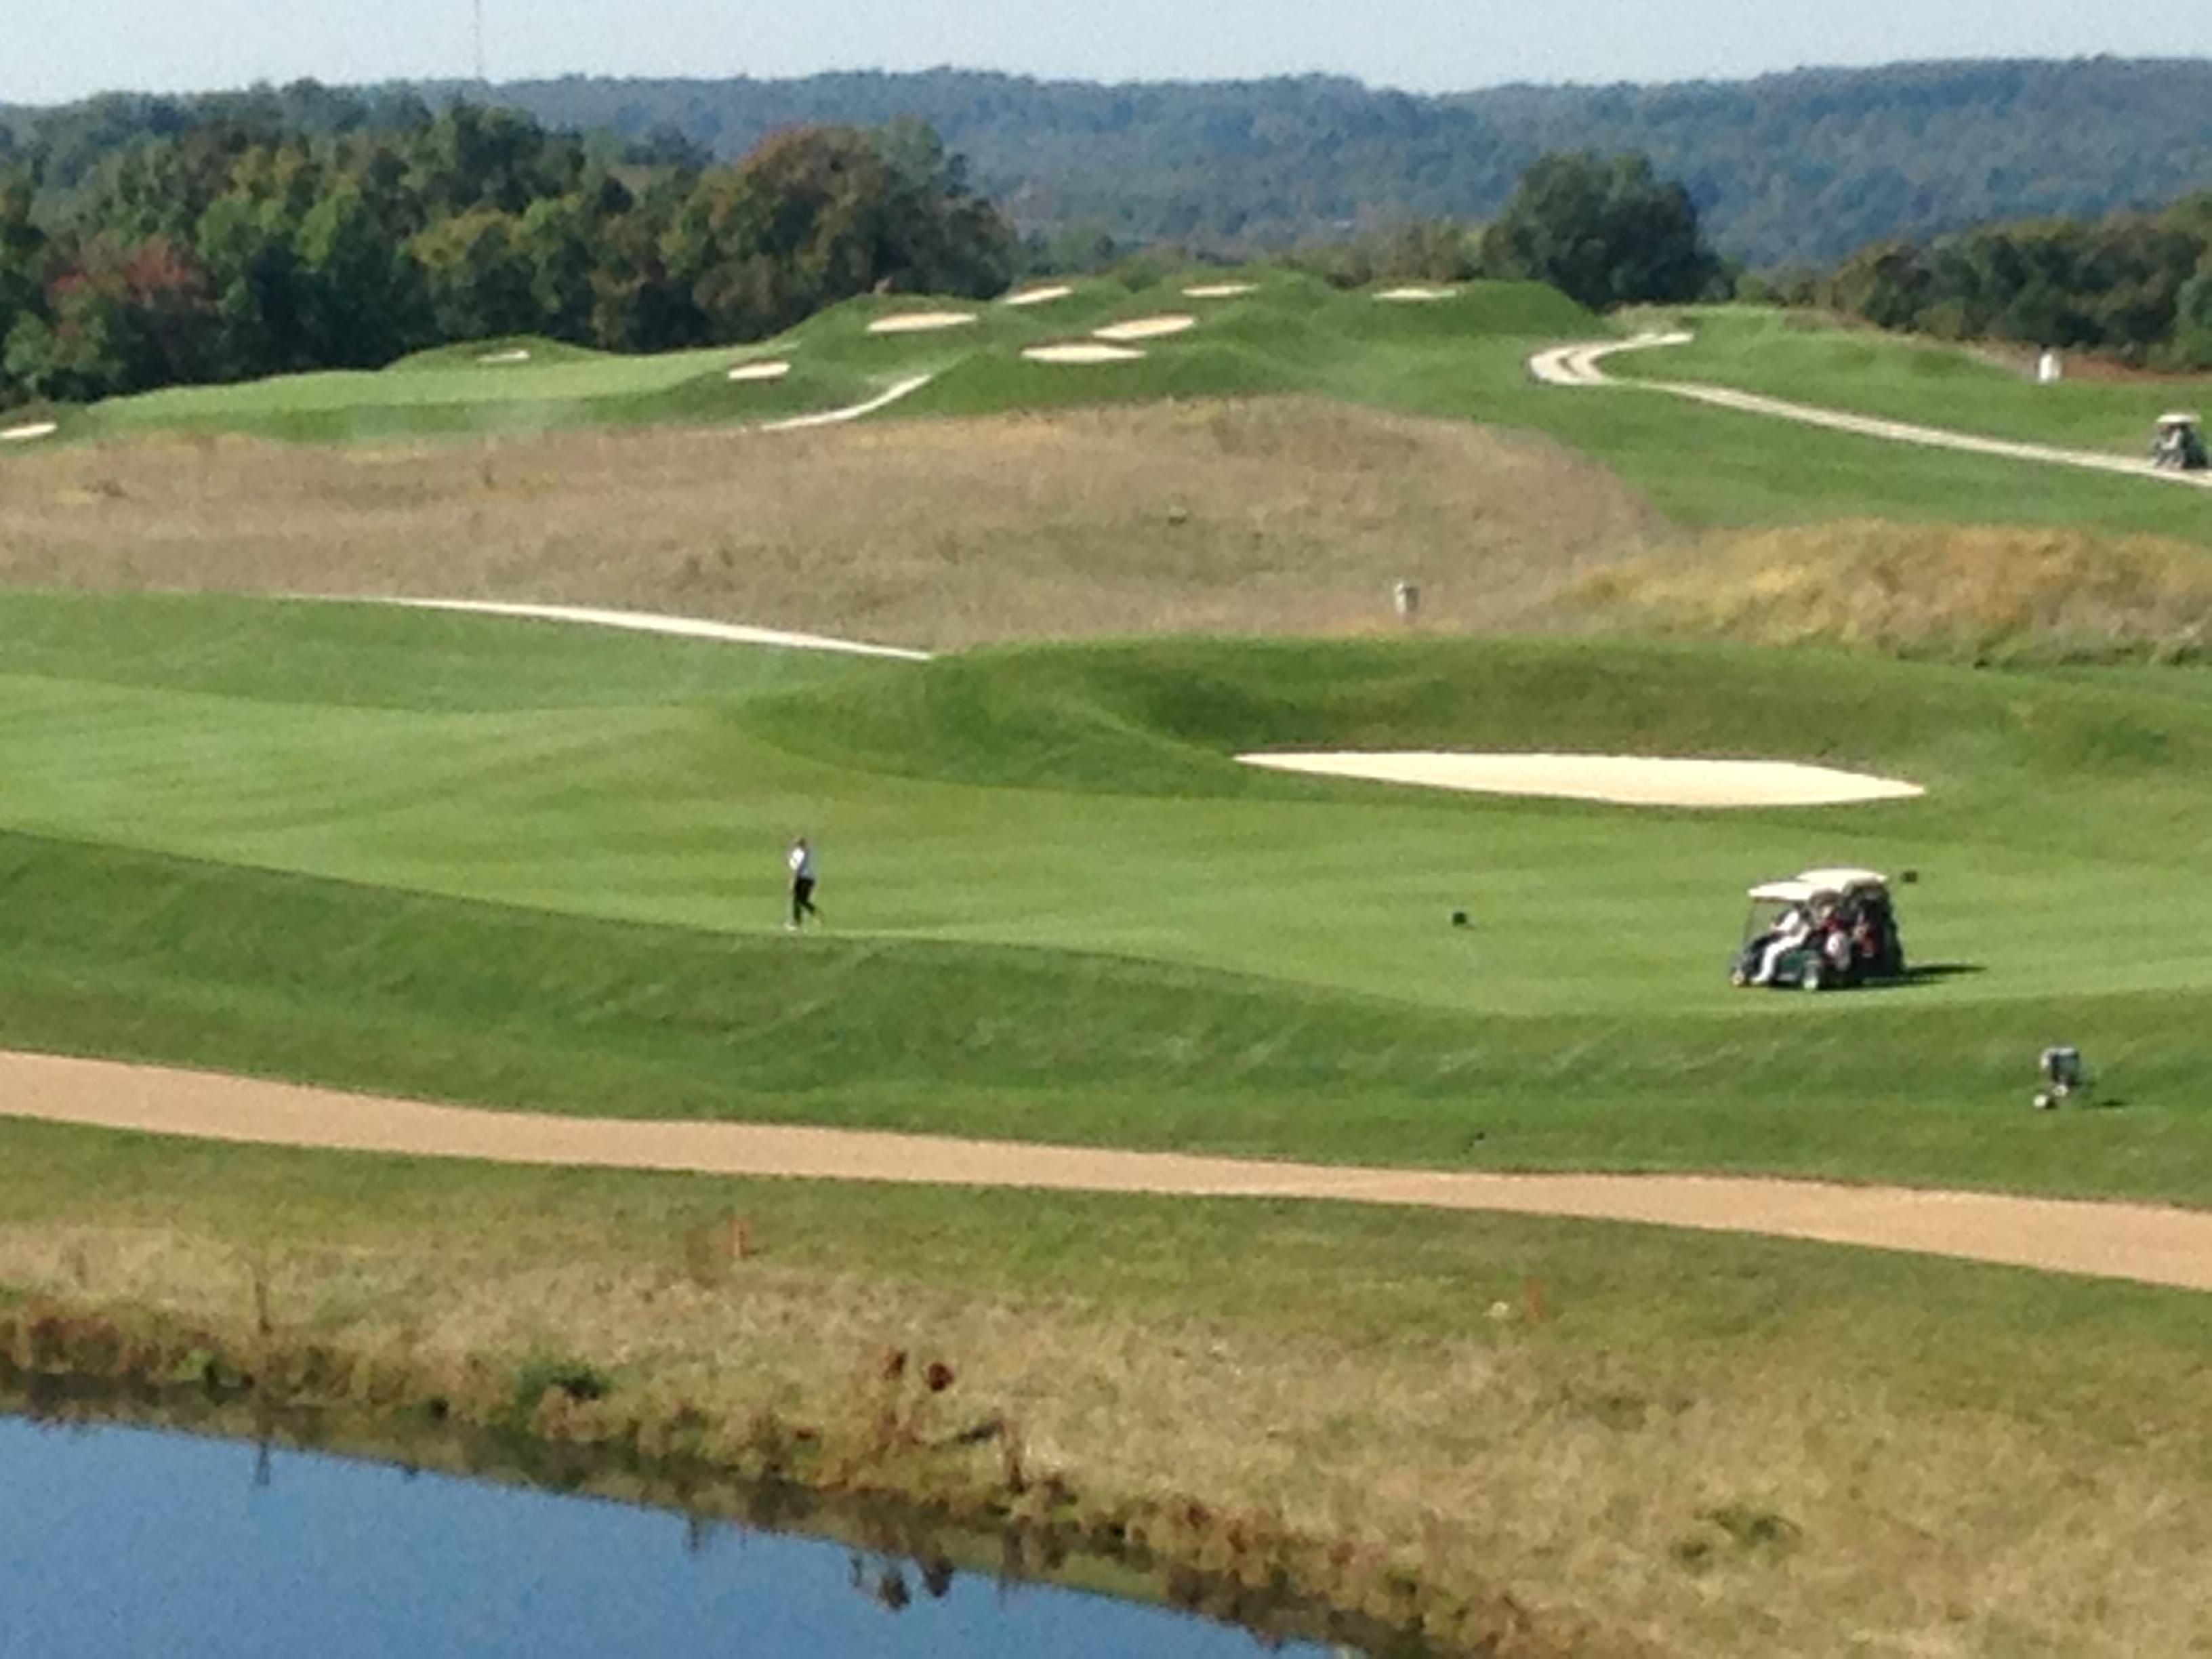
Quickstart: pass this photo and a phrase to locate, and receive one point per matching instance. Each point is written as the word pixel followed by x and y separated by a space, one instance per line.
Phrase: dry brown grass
pixel 1975 593
pixel 1750 1507
pixel 1275 515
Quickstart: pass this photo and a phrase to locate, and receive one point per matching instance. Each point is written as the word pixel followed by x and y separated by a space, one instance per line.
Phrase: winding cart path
pixel 1580 365
pixel 2146 1244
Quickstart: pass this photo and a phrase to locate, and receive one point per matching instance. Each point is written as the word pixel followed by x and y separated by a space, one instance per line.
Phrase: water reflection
pixel 120 1542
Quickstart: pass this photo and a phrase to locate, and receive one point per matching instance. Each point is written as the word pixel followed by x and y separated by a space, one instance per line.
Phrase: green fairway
pixel 532 864
pixel 1810 360
pixel 1464 358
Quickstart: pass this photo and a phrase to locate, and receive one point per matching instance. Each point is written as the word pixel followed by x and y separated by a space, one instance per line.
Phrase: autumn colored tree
pixel 239 245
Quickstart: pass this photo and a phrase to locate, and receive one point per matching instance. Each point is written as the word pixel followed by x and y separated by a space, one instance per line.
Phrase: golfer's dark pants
pixel 802 897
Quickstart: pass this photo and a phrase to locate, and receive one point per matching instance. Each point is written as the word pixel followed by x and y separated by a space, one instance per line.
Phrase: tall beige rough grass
pixel 1270 515
pixel 1974 594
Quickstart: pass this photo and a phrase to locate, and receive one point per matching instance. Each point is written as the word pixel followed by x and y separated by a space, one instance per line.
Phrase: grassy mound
pixel 1273 340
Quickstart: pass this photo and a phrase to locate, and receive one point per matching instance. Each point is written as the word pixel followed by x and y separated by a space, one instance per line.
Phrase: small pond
pixel 119 1541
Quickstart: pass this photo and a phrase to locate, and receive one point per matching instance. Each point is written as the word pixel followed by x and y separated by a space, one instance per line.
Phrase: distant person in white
pixel 802 860
pixel 2050 369
pixel 1795 929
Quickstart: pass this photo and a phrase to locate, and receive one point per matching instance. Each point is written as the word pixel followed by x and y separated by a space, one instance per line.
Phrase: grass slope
pixel 1062 911
pixel 1810 360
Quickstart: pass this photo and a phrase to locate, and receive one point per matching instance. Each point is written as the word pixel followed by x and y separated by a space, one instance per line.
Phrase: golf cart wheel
pixel 1815 977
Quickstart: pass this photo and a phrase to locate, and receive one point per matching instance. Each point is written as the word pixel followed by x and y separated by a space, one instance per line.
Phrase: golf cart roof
pixel 1818 884
pixel 2180 418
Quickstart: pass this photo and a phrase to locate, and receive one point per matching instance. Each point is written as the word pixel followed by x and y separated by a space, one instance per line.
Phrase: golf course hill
pixel 1275 330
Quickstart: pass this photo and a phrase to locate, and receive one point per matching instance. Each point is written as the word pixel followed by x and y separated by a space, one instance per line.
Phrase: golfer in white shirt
pixel 801 862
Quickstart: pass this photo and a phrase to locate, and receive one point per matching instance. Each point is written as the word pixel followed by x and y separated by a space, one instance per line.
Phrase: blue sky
pixel 51 50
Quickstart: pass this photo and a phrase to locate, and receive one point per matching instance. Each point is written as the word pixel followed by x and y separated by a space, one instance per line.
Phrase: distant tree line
pixel 254 242
pixel 1799 168
pixel 2133 286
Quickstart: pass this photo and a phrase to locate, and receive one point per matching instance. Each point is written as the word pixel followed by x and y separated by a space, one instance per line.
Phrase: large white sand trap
pixel 922 322
pixel 24 434
pixel 1415 295
pixel 1083 351
pixel 1037 296
pixel 1220 290
pixel 519 354
pixel 1146 328
pixel 645 622
pixel 1620 780
pixel 775 371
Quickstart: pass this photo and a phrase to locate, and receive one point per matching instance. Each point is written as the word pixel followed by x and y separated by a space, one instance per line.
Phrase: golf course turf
pixel 535 866
pixel 1060 909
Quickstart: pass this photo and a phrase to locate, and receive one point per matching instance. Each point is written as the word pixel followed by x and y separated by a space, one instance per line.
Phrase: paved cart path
pixel 2143 1243
pixel 1581 365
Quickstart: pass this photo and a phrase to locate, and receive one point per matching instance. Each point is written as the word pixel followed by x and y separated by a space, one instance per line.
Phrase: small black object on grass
pixel 1459 918
pixel 2063 1075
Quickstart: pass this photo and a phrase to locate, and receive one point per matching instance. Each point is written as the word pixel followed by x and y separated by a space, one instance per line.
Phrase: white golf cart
pixel 1820 930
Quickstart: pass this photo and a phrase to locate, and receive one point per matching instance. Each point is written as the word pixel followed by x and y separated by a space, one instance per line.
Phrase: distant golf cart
pixel 1821 931
pixel 2179 444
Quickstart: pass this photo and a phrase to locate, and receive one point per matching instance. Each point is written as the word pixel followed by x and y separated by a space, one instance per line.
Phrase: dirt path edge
pixel 2145 1243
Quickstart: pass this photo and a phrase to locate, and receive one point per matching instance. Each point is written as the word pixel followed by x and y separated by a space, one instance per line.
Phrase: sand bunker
pixel 23 435
pixel 1415 295
pixel 1618 780
pixel 1145 328
pixel 1036 296
pixel 1089 351
pixel 775 371
pixel 1220 290
pixel 518 355
pixel 922 322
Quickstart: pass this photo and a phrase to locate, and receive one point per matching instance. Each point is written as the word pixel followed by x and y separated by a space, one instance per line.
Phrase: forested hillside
pixel 1800 168
pixel 2135 286
pixel 240 246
